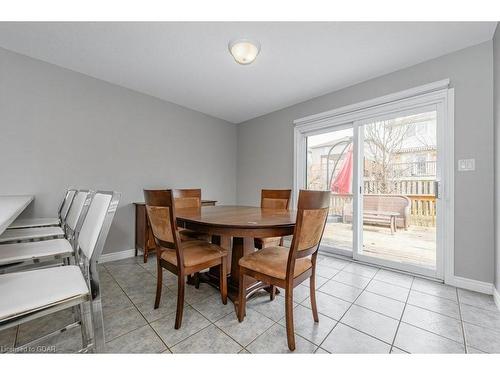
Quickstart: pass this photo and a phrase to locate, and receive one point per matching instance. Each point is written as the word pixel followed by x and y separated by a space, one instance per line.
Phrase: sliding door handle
pixel 437 187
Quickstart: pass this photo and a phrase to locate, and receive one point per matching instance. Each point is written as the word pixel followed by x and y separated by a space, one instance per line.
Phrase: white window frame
pixel 437 93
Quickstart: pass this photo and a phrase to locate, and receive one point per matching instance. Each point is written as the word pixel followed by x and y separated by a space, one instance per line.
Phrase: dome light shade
pixel 244 51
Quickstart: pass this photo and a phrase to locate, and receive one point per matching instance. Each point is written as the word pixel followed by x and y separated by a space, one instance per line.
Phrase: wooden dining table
pixel 234 228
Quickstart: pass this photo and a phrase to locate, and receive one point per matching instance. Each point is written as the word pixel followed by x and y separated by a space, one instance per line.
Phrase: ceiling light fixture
pixel 244 51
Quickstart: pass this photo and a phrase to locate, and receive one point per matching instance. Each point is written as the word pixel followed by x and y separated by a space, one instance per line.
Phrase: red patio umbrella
pixel 342 183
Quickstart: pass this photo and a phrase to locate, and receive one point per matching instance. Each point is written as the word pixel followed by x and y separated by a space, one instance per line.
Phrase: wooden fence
pixel 403 187
pixel 422 209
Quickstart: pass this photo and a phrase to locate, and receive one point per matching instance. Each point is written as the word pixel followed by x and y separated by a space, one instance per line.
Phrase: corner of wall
pixel 496 160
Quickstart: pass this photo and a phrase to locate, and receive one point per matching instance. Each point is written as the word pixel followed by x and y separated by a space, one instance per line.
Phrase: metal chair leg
pixel 98 325
pixel 85 324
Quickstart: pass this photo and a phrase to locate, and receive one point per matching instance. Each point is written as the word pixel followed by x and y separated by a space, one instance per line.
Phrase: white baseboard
pixel 470 284
pixel 110 257
pixel 496 297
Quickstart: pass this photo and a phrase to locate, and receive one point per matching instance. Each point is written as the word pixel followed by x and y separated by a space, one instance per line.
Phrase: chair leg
pixel 180 300
pixel 145 255
pixel 97 325
pixel 272 293
pixel 223 280
pixel 197 280
pixel 84 318
pixel 242 298
pixel 312 292
pixel 290 336
pixel 159 283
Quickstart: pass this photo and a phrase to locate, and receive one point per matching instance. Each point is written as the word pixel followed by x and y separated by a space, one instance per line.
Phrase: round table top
pixel 238 216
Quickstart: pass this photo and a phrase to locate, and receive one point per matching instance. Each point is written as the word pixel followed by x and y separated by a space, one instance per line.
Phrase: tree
pixel 383 140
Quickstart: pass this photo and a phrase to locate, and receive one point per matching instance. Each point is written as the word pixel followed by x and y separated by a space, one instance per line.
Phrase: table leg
pixel 241 247
pixel 237 248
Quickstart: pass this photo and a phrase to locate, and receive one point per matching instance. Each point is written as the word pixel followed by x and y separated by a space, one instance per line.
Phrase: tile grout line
pixel 194 308
pixel 135 306
pixel 461 322
pixel 17 335
pixel 402 314
pixel 199 312
pixel 337 271
pixel 318 346
pixel 352 303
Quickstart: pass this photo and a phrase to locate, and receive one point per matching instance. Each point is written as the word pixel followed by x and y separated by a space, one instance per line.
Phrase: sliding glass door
pixel 383 173
pixel 398 174
pixel 330 167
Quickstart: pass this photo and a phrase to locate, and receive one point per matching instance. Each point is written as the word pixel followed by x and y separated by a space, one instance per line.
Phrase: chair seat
pixel 35 222
pixel 190 235
pixel 31 234
pixel 27 292
pixel 272 261
pixel 261 243
pixel 23 251
pixel 195 252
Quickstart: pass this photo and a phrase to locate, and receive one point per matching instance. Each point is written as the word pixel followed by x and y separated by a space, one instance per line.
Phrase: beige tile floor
pixel 363 310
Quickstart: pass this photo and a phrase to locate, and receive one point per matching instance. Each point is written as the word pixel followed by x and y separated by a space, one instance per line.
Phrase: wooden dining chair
pixel 189 198
pixel 182 258
pixel 273 199
pixel 287 268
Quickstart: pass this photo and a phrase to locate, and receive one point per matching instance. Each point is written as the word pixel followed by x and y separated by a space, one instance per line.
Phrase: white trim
pixel 118 255
pixel 470 284
pixel 419 90
pixel 448 174
pixel 437 94
pixel 496 297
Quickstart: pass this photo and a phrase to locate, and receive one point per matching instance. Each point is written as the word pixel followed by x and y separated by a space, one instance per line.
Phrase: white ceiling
pixel 189 64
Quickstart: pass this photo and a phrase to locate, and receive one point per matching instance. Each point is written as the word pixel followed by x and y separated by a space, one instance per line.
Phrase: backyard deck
pixel 416 246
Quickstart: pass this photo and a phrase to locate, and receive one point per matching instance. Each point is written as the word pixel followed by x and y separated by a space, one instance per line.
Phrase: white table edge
pixel 11 216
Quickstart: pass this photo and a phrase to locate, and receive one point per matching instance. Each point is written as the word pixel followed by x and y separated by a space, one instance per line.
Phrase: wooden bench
pixel 383 209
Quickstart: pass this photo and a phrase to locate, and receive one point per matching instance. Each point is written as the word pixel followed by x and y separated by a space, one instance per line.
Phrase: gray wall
pixel 265 145
pixel 59 128
pixel 496 95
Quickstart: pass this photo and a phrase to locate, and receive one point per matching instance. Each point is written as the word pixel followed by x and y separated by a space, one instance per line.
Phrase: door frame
pixel 437 93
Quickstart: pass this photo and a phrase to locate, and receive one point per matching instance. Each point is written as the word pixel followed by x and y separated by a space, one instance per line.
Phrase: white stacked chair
pixel 22 255
pixel 32 294
pixel 45 233
pixel 47 221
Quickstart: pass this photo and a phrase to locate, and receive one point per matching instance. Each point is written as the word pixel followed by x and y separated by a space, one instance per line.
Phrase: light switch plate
pixel 466 165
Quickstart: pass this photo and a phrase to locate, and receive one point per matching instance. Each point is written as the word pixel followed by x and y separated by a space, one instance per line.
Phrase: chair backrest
pixel 312 212
pixel 279 199
pixel 68 199
pixel 160 207
pixel 76 210
pixel 187 198
pixel 95 226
